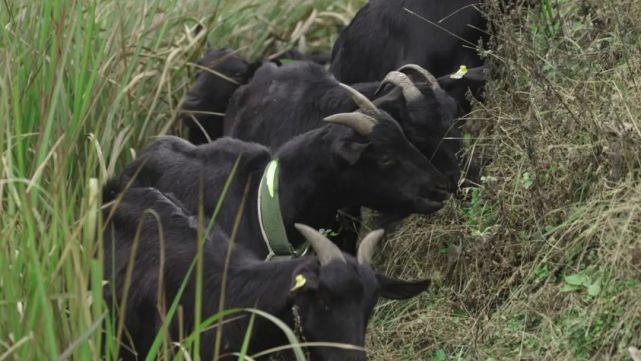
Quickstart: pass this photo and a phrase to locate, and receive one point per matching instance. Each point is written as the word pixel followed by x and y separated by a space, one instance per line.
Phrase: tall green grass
pixel 85 86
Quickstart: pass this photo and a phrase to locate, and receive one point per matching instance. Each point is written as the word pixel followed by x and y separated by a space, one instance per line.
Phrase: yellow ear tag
pixel 300 282
pixel 271 172
pixel 460 73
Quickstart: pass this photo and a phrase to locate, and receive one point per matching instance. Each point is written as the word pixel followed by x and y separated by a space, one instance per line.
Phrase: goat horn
pixel 410 91
pixel 324 248
pixel 368 244
pixel 429 78
pixel 362 124
pixel 361 100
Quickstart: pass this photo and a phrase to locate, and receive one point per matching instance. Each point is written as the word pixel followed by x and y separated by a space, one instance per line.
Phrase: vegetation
pixel 543 261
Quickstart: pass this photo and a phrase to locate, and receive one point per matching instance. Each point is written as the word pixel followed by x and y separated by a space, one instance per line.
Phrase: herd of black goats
pixel 277 155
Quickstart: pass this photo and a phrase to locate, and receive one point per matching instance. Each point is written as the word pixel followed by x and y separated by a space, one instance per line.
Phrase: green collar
pixel 270 218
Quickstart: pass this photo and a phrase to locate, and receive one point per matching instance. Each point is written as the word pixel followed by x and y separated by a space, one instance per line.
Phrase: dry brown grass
pixel 561 134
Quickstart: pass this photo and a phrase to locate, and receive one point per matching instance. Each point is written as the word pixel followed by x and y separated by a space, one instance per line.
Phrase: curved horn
pixel 361 123
pixel 366 249
pixel 429 78
pixel 324 248
pixel 361 100
pixel 410 91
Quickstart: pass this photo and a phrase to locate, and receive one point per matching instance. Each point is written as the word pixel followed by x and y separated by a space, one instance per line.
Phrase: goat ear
pixel 349 151
pixel 304 277
pixel 396 289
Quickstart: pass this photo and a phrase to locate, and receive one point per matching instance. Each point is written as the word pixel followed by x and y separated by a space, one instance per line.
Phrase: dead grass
pixel 551 257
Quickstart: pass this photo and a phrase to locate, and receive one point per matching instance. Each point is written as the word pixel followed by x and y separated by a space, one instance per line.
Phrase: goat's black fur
pixel 154 238
pixel 321 171
pixel 282 102
pixel 384 36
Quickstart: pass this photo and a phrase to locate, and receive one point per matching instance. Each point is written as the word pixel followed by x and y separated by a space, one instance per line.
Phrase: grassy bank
pixel 543 261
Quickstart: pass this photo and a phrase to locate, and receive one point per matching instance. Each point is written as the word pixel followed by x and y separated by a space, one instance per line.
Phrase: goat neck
pixel 261 285
pixel 309 181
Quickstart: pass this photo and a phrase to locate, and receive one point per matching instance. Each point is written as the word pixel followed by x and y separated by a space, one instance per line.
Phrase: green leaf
pixel 578 280
pixel 242 355
pixel 542 272
pixel 527 180
pixel 468 139
pixel 595 288
pixel 439 355
pixel 286 61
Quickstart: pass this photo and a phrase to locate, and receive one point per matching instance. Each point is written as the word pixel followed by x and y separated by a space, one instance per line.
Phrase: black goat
pixel 204 106
pixel 438 35
pixel 282 102
pixel 150 247
pixel 367 163
pixel 221 73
